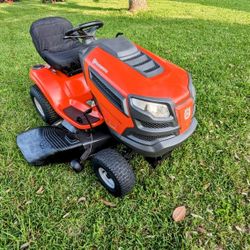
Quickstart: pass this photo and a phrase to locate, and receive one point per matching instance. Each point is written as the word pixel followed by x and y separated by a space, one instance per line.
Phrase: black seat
pixel 48 37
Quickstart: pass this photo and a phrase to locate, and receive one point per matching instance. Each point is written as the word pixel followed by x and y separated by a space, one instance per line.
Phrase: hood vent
pixel 144 64
pixel 127 52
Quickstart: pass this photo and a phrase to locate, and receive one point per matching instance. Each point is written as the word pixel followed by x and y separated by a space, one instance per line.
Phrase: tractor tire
pixel 113 171
pixel 42 106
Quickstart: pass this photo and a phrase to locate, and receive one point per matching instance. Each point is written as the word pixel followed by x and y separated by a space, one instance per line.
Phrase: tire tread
pixel 50 115
pixel 122 171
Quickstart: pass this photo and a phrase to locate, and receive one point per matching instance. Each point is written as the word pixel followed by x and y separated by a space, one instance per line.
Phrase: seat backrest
pixel 48 34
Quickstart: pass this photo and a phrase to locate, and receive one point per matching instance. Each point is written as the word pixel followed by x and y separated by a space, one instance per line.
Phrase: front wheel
pixel 113 171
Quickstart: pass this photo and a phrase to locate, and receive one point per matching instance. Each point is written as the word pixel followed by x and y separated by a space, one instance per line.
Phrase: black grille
pixel 152 138
pixel 154 125
pixel 144 64
pixel 150 130
pixel 107 90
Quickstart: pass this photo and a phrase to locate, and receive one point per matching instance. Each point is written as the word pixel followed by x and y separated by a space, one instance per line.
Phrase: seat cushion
pixel 48 37
pixel 65 61
pixel 48 34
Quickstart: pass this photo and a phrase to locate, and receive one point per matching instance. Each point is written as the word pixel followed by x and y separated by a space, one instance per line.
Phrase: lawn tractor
pixel 93 93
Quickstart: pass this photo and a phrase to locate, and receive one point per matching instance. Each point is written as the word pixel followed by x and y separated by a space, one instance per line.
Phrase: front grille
pixel 152 138
pixel 112 94
pixel 153 125
pixel 149 130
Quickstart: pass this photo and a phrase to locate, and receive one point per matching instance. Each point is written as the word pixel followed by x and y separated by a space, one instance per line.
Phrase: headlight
pixel 157 110
pixel 192 92
pixel 191 88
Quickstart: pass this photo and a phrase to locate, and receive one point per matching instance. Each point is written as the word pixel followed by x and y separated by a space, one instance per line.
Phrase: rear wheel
pixel 113 171
pixel 42 106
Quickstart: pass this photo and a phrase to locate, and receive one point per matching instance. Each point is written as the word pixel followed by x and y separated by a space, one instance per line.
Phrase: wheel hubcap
pixel 39 107
pixel 106 178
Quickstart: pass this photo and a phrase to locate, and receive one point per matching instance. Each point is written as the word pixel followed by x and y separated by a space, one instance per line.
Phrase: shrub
pixel 51 1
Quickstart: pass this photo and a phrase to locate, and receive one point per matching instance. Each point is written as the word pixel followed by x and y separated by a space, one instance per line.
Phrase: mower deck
pixel 44 145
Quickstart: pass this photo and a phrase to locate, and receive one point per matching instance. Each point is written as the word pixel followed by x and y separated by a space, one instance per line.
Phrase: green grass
pixel 209 174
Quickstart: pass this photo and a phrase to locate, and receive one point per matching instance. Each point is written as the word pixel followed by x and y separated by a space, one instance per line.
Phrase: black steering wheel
pixel 85 30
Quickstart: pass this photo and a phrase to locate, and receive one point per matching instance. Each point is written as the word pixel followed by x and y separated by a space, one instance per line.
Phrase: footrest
pixel 45 145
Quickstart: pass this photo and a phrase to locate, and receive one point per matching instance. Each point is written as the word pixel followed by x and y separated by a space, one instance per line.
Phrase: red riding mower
pixel 94 92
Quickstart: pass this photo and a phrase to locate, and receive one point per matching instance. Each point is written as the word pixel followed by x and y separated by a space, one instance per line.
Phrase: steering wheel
pixel 85 30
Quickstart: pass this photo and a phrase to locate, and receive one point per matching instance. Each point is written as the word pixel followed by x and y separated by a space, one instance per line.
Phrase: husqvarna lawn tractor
pixel 94 92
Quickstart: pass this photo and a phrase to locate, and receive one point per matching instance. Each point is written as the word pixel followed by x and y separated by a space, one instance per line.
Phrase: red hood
pixel 171 83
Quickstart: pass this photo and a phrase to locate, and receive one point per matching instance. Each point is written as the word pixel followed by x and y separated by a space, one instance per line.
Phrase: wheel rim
pixel 106 178
pixel 39 107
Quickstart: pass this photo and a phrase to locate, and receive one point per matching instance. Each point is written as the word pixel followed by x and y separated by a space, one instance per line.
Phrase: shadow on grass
pixel 10 11
pixel 68 6
pixel 85 7
pixel 243 5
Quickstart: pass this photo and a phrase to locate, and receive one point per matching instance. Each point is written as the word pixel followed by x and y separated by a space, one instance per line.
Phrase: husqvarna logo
pixel 187 113
pixel 96 63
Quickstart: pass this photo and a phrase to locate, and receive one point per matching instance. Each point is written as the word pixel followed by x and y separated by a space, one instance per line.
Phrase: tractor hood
pixel 132 70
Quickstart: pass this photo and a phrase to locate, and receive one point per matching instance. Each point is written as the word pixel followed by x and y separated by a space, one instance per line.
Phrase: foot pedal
pixel 44 145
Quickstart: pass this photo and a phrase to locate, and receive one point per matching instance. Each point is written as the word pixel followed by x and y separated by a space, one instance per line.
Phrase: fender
pixel 63 92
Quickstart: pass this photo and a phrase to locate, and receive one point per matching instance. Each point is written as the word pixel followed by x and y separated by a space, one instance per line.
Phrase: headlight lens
pixel 157 110
pixel 191 88
pixel 192 92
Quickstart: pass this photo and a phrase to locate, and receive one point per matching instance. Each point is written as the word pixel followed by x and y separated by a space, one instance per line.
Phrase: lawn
pixel 209 173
